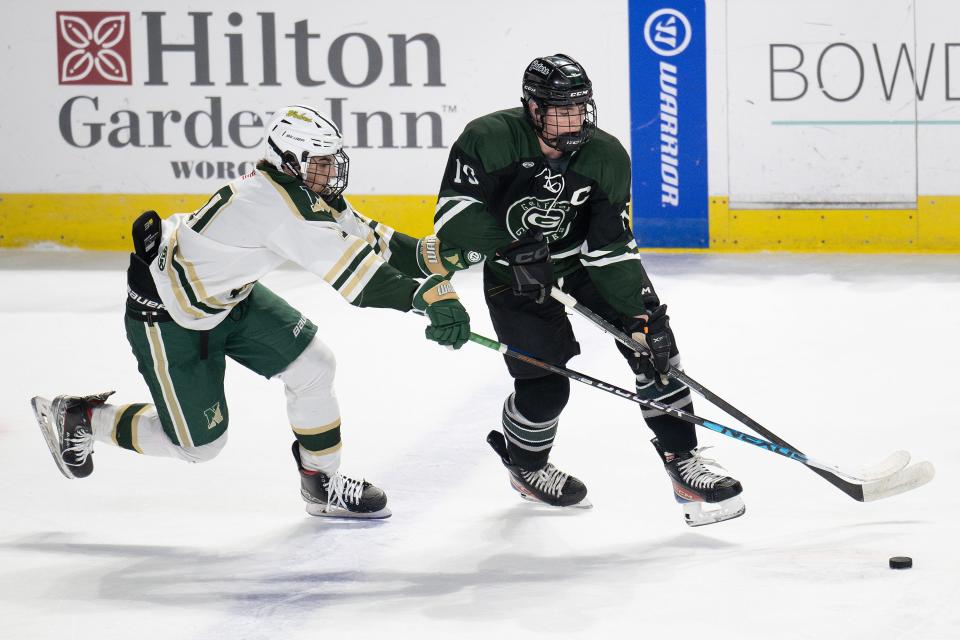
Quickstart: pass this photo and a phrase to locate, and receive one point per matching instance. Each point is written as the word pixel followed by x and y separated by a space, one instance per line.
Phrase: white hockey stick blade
pixel 889 466
pixel 906 480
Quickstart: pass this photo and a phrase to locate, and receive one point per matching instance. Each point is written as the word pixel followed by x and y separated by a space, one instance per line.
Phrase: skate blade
pixel 583 504
pixel 696 515
pixel 323 511
pixel 44 412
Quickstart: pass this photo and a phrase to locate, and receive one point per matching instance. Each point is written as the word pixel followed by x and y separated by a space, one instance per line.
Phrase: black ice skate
pixel 66 427
pixel 548 485
pixel 707 497
pixel 339 496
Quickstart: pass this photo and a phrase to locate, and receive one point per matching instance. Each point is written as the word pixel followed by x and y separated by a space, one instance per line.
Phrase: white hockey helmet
pixel 297 133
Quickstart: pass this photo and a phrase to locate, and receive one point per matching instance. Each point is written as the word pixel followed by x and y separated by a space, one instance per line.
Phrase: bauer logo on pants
pixel 93 47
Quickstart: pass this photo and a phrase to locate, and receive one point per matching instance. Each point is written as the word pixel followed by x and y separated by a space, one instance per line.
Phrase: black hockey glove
pixel 653 331
pixel 529 260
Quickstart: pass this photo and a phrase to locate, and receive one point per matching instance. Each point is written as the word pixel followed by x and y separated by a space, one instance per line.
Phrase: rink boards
pixel 797 127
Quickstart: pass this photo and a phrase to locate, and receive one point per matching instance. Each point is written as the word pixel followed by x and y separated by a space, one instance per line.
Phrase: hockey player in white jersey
pixel 194 299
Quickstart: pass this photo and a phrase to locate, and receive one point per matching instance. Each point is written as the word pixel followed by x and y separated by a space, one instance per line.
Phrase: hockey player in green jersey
pixel 194 299
pixel 540 194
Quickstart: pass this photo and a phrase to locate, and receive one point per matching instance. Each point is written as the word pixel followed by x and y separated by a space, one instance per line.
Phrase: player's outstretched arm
pixel 435 257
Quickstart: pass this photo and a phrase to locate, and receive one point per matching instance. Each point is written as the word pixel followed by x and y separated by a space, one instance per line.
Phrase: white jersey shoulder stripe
pixel 462 202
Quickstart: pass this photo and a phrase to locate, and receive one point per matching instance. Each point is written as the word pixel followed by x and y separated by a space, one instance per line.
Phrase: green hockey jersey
pixel 498 184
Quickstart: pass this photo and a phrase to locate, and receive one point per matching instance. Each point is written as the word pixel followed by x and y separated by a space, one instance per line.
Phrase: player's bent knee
pixel 541 399
pixel 315 367
pixel 204 452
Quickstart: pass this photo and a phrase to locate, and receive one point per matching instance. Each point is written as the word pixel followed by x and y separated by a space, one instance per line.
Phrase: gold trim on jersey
pixel 377 235
pixel 193 280
pixel 346 258
pixel 321 206
pixel 175 285
pixel 283 195
pixel 372 260
pixel 198 287
pixel 205 208
pixel 382 235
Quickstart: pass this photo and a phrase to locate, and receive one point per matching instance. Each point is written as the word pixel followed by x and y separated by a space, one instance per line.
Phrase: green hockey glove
pixel 434 258
pixel 449 321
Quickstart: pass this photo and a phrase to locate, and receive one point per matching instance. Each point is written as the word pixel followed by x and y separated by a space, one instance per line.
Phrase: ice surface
pixel 849 358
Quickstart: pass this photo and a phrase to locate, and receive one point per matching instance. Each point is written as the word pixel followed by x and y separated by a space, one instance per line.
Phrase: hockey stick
pixel 871 489
pixel 915 475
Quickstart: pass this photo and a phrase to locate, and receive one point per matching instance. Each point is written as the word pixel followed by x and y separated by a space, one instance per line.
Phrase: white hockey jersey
pixel 209 260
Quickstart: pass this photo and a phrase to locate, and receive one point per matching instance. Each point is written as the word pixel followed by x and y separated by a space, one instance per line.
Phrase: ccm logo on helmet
pixel 577 94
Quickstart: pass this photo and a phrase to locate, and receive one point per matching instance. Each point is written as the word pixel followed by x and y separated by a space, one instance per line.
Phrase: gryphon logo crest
pixel 537 213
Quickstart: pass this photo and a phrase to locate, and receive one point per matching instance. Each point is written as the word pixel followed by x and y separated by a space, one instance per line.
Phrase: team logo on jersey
pixel 213 415
pixel 551 182
pixel 552 219
pixel 162 258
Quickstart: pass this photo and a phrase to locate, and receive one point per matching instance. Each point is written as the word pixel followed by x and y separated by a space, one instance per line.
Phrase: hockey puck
pixel 901 562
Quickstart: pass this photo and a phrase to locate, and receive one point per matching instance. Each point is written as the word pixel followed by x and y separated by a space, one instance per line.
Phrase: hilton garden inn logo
pixel 93 47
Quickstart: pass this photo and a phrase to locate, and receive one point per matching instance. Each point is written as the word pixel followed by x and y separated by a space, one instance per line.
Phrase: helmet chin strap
pixel 557 143
pixel 288 161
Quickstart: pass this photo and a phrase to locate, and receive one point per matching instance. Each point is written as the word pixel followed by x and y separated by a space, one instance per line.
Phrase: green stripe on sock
pixel 125 426
pixel 320 441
